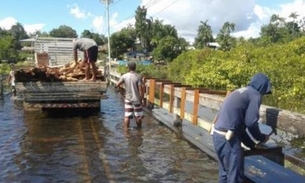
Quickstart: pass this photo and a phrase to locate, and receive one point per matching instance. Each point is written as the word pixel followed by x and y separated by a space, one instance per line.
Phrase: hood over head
pixel 260 82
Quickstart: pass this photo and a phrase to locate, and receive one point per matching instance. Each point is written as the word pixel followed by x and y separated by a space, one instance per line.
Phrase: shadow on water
pixel 67 112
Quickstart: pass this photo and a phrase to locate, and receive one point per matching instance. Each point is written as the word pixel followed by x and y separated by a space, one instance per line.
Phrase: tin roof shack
pixel 53 51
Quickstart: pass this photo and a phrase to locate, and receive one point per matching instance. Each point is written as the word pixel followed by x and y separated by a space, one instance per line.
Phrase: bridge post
pixel 177 119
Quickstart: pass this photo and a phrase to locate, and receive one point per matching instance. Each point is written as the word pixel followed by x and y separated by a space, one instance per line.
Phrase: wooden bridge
pixel 182 107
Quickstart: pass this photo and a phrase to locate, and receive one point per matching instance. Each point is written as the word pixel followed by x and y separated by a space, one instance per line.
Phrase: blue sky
pixel 185 15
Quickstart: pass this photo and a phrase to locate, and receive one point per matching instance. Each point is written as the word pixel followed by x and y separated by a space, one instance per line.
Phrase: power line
pixel 153 2
pixel 165 7
pixel 115 3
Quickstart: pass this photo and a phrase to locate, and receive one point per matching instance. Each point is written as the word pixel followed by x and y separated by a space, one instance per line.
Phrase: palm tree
pixel 140 24
pixel 204 34
pixel 224 38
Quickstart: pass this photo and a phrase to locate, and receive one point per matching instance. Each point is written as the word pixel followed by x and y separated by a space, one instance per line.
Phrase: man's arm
pixel 86 56
pixel 141 88
pixel 120 82
pixel 251 119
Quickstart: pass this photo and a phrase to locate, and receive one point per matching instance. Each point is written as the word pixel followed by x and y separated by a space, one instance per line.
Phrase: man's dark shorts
pixel 92 54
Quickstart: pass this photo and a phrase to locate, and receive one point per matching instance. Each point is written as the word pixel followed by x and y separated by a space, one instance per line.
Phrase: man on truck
pixel 90 49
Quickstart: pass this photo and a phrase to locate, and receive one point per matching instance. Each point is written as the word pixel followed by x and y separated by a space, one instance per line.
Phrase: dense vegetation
pixel 283 63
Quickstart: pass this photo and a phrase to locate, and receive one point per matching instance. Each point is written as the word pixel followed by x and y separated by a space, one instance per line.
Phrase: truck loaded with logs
pixel 50 85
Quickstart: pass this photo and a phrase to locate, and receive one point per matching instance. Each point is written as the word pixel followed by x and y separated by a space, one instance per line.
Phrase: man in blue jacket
pixel 239 111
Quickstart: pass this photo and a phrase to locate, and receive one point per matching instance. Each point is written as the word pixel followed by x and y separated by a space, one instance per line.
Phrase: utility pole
pixel 107 2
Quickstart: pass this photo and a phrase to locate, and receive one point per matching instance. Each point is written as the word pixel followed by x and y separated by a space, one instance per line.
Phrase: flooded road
pixel 37 147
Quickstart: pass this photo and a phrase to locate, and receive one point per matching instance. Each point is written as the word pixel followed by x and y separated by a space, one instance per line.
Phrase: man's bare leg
pixel 126 123
pixel 94 71
pixel 139 121
pixel 87 69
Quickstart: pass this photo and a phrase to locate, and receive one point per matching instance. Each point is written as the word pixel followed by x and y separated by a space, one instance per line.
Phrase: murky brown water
pixel 35 147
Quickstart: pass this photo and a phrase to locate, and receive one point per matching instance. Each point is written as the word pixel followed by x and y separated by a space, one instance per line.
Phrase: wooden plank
pixel 72 97
pixel 195 106
pixel 30 105
pixel 182 103
pixel 60 86
pixel 171 98
pixel 263 170
pixel 152 85
pixel 161 87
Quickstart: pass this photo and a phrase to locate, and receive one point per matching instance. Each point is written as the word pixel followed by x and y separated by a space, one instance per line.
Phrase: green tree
pixel 18 33
pixel 6 47
pixel 63 31
pixel 204 35
pixel 167 49
pixel 4 32
pixel 122 41
pixel 157 27
pixel 99 39
pixel 280 30
pixel 38 33
pixel 224 38
pixel 141 25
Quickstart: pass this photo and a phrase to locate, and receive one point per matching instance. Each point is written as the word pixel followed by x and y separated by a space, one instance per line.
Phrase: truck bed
pixel 61 94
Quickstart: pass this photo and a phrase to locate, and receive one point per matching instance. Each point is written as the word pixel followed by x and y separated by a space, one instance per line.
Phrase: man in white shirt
pixel 134 95
pixel 11 79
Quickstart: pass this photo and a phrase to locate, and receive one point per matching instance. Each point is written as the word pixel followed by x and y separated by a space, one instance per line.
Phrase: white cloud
pixel 186 15
pixel 118 26
pixel 98 23
pixel 115 25
pixel 7 23
pixel 32 28
pixel 297 6
pixel 101 24
pixel 247 16
pixel 78 13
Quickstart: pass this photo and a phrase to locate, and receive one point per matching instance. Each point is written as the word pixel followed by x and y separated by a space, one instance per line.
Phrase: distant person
pixel 239 111
pixel 90 49
pixel 11 79
pixel 134 95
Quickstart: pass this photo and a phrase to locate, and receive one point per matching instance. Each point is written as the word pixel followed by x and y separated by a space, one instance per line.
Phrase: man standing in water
pixel 90 49
pixel 239 111
pixel 134 95
pixel 11 79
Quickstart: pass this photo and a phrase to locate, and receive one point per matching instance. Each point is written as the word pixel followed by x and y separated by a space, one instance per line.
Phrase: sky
pixel 247 15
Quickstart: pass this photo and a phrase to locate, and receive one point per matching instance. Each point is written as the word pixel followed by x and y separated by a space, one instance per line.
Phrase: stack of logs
pixel 72 71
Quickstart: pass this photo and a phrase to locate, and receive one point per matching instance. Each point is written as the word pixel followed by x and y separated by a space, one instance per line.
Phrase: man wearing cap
pixel 90 49
pixel 134 95
pixel 239 111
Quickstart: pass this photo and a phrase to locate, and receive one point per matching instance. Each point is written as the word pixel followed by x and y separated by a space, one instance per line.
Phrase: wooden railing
pixel 174 96
pixel 290 123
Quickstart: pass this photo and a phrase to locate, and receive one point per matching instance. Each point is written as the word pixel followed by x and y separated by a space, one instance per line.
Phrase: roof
pixel 28 40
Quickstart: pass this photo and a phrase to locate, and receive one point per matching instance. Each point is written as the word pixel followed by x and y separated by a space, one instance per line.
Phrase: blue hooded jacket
pixel 240 110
